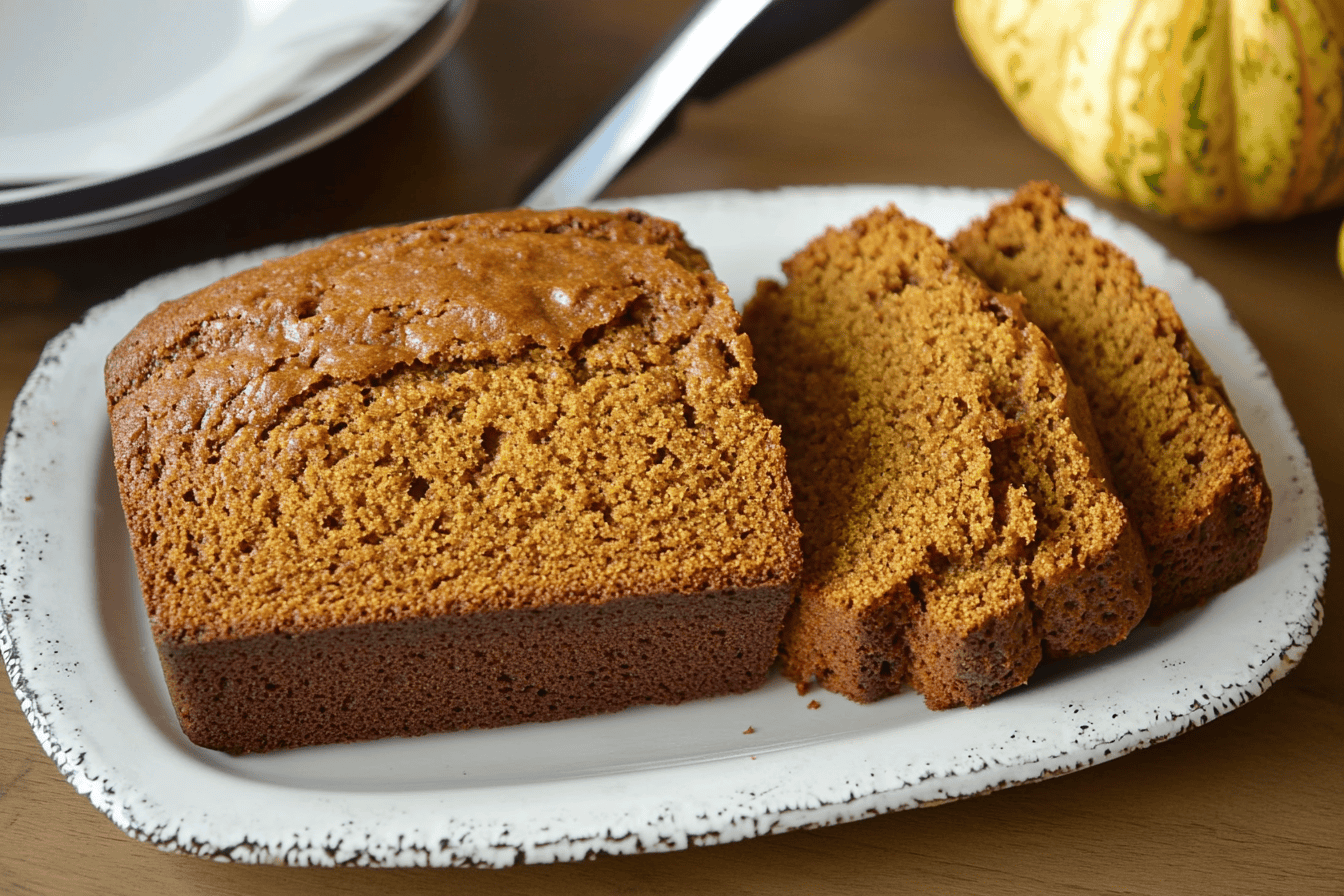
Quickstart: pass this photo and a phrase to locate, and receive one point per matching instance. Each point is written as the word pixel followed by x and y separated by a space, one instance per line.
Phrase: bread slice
pixel 472 472
pixel 1184 467
pixel 957 523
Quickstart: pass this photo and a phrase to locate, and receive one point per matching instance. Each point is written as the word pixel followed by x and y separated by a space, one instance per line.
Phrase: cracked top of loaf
pixel 493 411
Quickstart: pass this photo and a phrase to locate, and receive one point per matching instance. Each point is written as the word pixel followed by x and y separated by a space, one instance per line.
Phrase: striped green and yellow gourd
pixel 1206 111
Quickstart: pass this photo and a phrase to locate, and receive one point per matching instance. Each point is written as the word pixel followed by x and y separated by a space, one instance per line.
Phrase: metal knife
pixel 721 44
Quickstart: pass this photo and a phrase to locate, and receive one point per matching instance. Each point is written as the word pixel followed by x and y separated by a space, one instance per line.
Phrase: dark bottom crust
pixel 479 671
pixel 1192 565
pixel 866 655
pixel 870 654
pixel 1097 606
pixel 971 668
pixel 860 654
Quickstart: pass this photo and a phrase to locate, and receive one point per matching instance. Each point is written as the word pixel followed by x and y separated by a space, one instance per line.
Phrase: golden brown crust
pixel 1186 471
pixel 955 523
pixel 488 415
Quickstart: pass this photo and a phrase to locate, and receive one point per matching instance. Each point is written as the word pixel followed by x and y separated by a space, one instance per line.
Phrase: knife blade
pixel 719 45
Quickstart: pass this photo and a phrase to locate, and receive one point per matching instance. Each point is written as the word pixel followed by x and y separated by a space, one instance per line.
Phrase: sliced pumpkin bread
pixel 957 522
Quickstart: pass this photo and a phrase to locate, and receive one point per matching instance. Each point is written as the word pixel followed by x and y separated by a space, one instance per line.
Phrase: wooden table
pixel 1251 803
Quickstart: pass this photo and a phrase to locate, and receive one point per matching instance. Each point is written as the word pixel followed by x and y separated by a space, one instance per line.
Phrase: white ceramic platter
pixel 114 87
pixel 77 646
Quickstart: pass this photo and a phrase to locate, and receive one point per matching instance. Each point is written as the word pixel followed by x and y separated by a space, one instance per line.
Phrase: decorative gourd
pixel 1340 250
pixel 1208 111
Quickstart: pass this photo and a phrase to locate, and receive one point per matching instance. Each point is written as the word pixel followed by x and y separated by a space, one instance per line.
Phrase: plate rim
pixel 179 184
pixel 422 839
pixel 417 14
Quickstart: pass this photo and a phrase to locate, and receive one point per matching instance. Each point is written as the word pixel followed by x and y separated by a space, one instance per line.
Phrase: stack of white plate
pixel 116 114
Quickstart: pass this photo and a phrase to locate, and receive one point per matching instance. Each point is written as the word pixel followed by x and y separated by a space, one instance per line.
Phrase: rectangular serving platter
pixel 77 647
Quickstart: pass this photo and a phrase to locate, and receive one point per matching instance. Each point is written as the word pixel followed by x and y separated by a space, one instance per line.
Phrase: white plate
pixel 90 206
pixel 77 646
pixel 115 87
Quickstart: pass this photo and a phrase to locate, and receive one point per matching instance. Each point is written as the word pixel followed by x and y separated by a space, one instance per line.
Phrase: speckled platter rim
pixel 645 780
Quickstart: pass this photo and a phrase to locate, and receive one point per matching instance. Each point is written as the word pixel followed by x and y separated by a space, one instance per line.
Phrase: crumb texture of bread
pixel 1185 469
pixel 521 437
pixel 957 523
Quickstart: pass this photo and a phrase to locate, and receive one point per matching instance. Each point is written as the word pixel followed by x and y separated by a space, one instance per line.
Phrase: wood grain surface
pixel 1251 803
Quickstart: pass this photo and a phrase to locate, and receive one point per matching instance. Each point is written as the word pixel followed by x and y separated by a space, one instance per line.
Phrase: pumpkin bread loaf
pixel 1193 483
pixel 957 523
pixel 472 472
